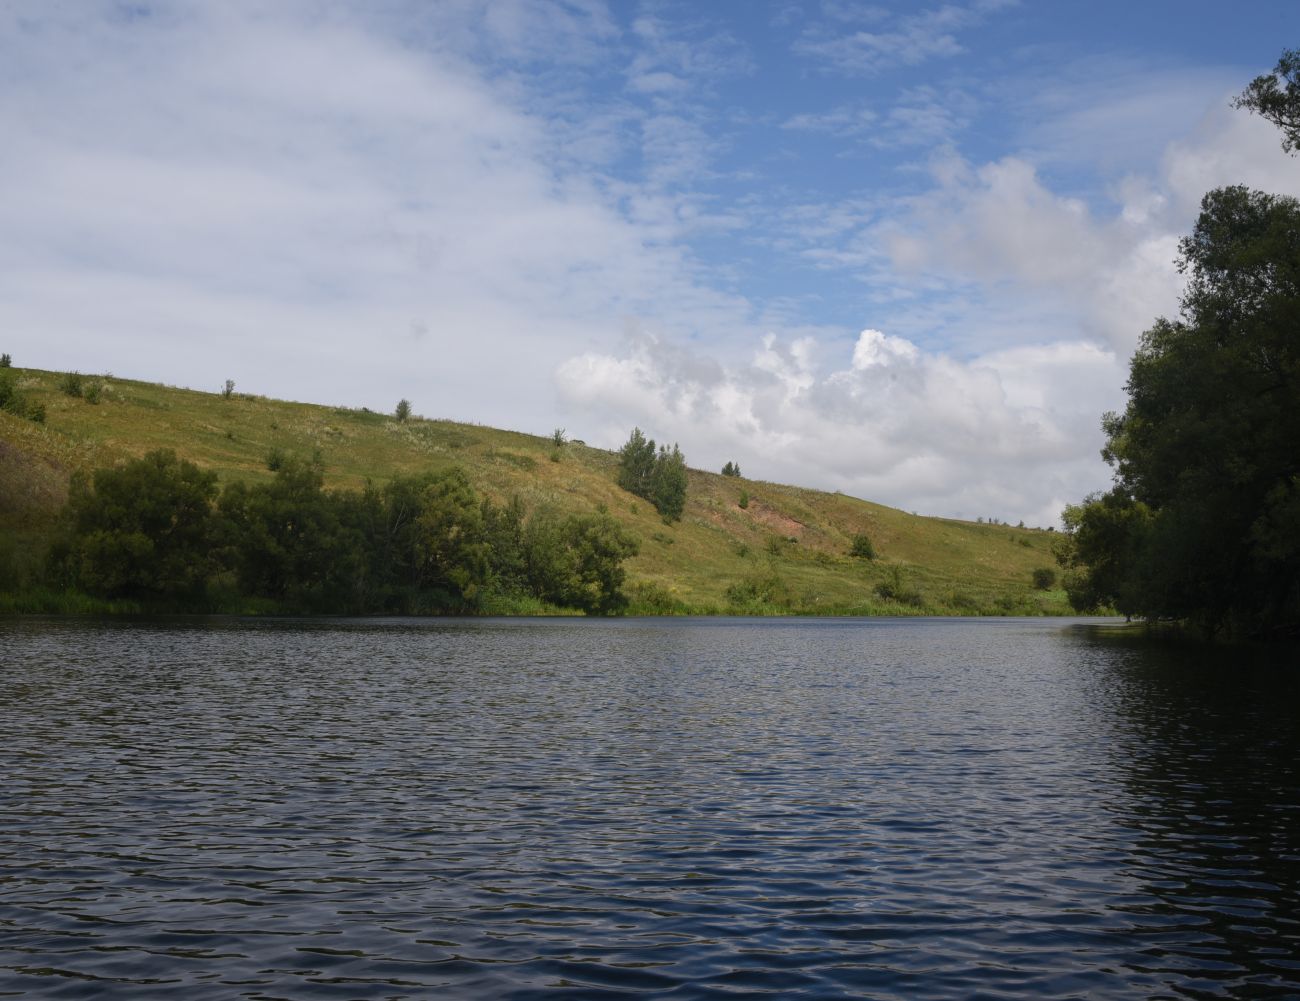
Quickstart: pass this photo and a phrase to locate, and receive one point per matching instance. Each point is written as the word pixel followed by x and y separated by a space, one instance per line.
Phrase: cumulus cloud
pixel 1012 434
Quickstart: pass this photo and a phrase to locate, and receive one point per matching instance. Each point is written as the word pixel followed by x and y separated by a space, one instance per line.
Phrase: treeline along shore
pixel 124 495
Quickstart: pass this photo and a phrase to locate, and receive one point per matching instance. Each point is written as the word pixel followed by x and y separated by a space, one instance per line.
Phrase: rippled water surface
pixel 603 809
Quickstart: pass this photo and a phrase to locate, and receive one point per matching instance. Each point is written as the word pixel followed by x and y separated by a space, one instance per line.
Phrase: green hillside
pixel 787 550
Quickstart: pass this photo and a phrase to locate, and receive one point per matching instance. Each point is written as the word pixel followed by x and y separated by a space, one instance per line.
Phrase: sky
pixel 900 250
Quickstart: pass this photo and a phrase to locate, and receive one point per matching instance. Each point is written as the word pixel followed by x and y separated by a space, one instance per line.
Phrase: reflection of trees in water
pixel 1208 742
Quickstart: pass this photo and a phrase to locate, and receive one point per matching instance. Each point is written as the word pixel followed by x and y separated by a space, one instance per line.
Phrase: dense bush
pixel 157 530
pixel 862 547
pixel 13 401
pixel 1044 579
pixel 71 384
pixel 731 469
pixel 403 410
pixel 142 530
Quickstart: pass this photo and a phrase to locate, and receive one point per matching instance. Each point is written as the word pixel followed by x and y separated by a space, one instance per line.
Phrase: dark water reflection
pixel 586 809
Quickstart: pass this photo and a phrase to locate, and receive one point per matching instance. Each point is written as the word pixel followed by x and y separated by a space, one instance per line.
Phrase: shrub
pixel 862 547
pixel 6 361
pixel 403 410
pixel 1044 579
pixel 744 499
pixel 275 459
pixel 895 588
pixel 766 588
pixel 557 437
pixel 71 384
pixel 731 469
pixel 90 393
pixel 15 402
pixel 228 390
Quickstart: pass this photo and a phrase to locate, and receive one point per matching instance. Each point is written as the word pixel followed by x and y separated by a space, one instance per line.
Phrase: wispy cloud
pixel 838 45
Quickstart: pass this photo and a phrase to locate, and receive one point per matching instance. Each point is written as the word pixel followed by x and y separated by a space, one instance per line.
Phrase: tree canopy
pixel 1203 522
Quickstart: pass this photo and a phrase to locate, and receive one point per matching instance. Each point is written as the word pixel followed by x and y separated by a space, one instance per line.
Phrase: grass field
pixel 786 551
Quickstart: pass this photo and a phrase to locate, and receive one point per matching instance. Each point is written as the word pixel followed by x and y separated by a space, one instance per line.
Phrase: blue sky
pixel 899 250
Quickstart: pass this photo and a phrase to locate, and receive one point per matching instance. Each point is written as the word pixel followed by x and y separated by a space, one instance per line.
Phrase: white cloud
pixel 267 194
pixel 1012 434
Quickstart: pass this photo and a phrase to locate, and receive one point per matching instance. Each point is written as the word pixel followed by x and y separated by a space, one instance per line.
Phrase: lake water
pixel 642 808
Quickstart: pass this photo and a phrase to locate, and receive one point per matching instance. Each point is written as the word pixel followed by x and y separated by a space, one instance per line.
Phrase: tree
pixel 669 483
pixel 636 464
pixel 1278 103
pixel 577 561
pixel 731 469
pixel 6 361
pixel 403 410
pixel 287 540
pixel 142 530
pixel 659 477
pixel 1201 523
pixel 228 390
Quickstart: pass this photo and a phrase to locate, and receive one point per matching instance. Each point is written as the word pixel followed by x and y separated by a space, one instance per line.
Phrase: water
pixel 610 809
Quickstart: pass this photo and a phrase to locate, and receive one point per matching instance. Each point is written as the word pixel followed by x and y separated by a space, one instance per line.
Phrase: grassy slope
pixel 956 565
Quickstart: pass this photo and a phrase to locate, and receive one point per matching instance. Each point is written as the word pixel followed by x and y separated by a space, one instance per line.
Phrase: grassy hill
pixel 786 550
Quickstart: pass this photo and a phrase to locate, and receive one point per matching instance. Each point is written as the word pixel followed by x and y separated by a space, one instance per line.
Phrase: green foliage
pixel 1200 523
pixel 142 530
pixel 1276 98
pixel 577 560
pixel 91 392
pixel 228 390
pixel 558 438
pixel 669 497
pixel 286 541
pixel 6 361
pixel 403 410
pixel 636 465
pixel 766 587
pixel 150 531
pixel 743 501
pixel 896 588
pixel 731 469
pixel 660 477
pixel 1044 578
pixel 71 384
pixel 862 547
pixel 14 401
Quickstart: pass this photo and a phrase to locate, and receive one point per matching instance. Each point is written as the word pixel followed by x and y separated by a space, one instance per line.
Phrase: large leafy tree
pixel 141 530
pixel 1202 523
pixel 287 540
